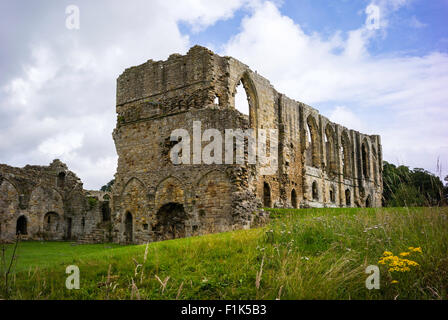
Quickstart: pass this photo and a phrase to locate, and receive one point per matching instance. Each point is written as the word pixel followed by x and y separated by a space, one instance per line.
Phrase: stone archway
pixel 171 219
pixel 22 225
pixel 128 228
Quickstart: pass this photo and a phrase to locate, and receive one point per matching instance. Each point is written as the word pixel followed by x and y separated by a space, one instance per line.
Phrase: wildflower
pixel 394 281
pixel 387 253
pixel 404 254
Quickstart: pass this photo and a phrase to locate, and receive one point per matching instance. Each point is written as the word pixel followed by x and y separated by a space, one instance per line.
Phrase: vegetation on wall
pixel 108 187
pixel 412 188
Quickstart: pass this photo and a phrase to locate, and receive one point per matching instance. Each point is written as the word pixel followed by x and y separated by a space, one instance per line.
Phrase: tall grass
pixel 301 254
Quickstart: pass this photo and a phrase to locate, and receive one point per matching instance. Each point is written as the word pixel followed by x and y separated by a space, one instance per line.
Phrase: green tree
pixel 108 187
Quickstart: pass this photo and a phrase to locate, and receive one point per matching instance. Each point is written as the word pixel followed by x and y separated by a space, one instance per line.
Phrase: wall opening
pixel 105 211
pixel 365 160
pixel 368 202
pixel 128 228
pixel 347 198
pixel 345 155
pixel 68 234
pixel 332 195
pixel 294 198
pixel 267 195
pixel 171 219
pixel 22 225
pixel 241 99
pixel 61 180
pixel 313 152
pixel 315 191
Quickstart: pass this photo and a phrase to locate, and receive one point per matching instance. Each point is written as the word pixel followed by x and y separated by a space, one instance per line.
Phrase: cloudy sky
pixel 57 85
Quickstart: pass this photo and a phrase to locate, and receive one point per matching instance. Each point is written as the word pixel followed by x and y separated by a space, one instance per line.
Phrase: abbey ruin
pixel 318 163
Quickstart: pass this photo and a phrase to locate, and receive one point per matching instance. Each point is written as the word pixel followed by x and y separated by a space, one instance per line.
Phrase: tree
pixel 417 187
pixel 108 187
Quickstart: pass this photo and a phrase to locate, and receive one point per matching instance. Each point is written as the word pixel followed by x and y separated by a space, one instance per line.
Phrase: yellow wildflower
pixel 387 253
pixel 404 254
pixel 394 281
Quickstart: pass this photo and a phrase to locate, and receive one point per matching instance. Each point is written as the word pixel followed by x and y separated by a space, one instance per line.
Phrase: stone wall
pixel 320 163
pixel 45 202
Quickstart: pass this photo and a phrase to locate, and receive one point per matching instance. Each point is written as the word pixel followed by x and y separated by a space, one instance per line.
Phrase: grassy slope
pixel 306 254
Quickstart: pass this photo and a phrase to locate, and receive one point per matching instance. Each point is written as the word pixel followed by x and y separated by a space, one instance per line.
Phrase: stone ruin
pixel 319 163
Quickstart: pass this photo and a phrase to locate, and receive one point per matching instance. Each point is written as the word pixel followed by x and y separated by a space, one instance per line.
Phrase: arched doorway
pixel 128 228
pixel 266 195
pixel 170 221
pixel 294 198
pixel 21 227
pixel 51 222
pixel 347 198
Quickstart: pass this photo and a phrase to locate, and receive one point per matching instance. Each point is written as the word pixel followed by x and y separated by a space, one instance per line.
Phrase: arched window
pixel 345 155
pixel 347 198
pixel 293 198
pixel 330 147
pixel 245 98
pixel 241 99
pixel 313 152
pixel 315 191
pixel 365 159
pixel 266 195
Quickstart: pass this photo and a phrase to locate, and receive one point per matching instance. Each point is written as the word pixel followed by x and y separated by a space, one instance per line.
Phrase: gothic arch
pixel 9 197
pixel 214 199
pixel 252 97
pixel 169 189
pixel 365 159
pixel 46 199
pixel 134 198
pixel 346 154
pixel 313 150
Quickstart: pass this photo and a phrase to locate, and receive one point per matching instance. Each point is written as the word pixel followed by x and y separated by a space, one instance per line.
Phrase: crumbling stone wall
pixel 320 163
pixel 44 202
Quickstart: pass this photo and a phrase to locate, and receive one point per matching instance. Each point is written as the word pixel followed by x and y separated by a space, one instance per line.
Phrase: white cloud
pixel 402 98
pixel 62 103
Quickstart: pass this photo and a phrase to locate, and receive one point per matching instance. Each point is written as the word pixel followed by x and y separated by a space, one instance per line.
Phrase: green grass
pixel 306 254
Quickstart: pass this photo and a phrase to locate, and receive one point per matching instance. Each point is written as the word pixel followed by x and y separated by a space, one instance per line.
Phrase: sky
pixel 380 72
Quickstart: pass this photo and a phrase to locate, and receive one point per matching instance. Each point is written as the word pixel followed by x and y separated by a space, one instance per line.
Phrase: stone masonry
pixel 320 163
pixel 49 203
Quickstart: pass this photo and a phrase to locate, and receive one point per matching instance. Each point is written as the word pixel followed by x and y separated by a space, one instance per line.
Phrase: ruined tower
pixel 319 163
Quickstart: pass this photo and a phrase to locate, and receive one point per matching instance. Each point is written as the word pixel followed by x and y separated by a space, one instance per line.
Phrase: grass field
pixel 301 254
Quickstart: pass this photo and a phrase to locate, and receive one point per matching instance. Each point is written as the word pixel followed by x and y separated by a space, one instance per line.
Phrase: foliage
pixel 301 254
pixel 92 202
pixel 108 187
pixel 417 187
